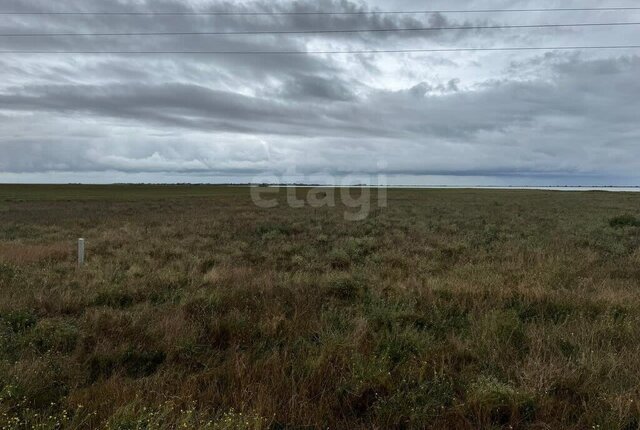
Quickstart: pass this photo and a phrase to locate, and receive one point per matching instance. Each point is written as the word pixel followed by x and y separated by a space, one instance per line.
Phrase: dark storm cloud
pixel 457 114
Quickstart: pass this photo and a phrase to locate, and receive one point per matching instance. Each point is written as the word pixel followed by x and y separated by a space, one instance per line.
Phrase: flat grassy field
pixel 198 309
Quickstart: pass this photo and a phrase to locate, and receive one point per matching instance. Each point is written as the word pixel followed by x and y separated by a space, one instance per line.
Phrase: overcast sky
pixel 518 118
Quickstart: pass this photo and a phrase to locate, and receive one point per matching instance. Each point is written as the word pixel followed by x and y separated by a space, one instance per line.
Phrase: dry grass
pixel 24 254
pixel 448 309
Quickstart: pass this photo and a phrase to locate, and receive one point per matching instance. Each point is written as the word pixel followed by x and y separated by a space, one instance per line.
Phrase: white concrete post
pixel 80 252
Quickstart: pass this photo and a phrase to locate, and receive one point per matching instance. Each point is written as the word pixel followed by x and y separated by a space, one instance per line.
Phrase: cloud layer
pixel 571 117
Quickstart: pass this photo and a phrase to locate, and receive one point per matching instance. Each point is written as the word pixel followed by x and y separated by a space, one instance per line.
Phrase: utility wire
pixel 407 12
pixel 368 30
pixel 364 51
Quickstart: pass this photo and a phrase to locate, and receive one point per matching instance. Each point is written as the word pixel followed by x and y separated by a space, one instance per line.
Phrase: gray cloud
pixel 303 87
pixel 542 114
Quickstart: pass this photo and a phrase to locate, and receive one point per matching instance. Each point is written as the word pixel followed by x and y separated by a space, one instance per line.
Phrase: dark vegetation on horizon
pixel 448 309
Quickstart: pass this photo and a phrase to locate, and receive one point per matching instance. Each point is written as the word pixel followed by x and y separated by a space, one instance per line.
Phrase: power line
pixel 368 30
pixel 364 51
pixel 407 12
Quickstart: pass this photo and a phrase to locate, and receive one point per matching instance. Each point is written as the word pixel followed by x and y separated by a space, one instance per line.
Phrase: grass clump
pixel 624 221
pixel 19 320
pixel 115 298
pixel 54 335
pixel 494 403
pixel 133 363
pixel 345 287
pixel 414 403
